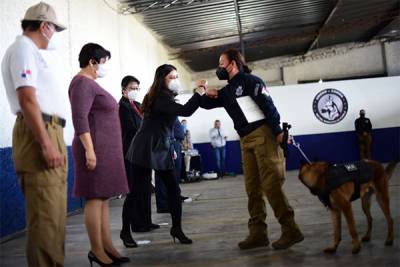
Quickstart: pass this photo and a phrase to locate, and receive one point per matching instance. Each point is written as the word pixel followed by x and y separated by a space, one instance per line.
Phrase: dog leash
pixel 297 145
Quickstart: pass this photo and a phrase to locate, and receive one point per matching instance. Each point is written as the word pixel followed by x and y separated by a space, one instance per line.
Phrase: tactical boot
pixel 288 239
pixel 253 241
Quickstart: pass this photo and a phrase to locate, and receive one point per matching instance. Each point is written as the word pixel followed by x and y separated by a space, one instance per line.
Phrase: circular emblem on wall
pixel 330 106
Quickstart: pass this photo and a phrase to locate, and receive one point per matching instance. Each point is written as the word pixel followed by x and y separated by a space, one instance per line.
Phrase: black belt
pixel 50 118
pixel 58 120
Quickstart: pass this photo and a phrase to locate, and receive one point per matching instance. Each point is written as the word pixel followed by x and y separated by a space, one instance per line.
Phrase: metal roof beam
pixel 239 25
pixel 323 25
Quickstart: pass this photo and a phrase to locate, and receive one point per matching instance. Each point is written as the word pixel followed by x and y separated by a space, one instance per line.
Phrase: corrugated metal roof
pixel 198 30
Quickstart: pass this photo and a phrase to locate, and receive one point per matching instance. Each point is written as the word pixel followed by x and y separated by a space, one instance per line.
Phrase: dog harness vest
pixel 338 174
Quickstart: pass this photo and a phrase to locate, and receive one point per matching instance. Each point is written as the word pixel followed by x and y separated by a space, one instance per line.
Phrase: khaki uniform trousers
pixel 45 192
pixel 364 143
pixel 264 170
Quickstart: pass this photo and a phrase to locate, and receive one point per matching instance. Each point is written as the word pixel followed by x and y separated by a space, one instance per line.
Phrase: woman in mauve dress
pixel 97 152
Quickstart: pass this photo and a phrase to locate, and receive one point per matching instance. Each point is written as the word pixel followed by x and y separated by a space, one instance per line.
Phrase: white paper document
pixel 250 109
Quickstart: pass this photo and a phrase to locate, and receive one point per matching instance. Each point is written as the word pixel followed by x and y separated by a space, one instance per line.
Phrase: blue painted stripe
pixel 12 207
pixel 333 147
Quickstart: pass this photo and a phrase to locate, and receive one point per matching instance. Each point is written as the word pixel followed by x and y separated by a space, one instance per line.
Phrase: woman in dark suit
pixel 131 118
pixel 152 146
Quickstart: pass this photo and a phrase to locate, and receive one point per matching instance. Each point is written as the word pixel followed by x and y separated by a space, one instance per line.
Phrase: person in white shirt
pixel 218 142
pixel 39 151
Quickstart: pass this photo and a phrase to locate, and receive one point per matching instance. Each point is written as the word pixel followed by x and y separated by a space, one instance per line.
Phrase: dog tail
pixel 390 168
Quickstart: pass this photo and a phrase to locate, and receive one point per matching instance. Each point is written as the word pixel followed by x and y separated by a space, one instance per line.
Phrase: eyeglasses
pixel 132 88
pixel 51 26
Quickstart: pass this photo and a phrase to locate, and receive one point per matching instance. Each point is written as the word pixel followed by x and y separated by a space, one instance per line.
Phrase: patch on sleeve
pixel 265 91
pixel 26 73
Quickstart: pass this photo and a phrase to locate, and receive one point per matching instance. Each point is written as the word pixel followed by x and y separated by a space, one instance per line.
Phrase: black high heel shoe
pixel 178 233
pixel 92 258
pixel 127 239
pixel 116 259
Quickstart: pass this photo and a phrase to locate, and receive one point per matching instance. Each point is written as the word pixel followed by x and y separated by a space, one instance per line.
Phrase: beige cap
pixel 44 12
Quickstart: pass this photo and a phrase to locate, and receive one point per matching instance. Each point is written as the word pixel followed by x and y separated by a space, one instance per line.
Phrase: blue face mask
pixel 184 127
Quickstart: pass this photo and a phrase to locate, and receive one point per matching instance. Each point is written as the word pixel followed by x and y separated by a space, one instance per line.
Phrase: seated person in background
pixel 186 145
pixel 187 142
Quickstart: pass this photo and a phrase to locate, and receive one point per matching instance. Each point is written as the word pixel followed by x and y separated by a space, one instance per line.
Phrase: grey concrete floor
pixel 217 220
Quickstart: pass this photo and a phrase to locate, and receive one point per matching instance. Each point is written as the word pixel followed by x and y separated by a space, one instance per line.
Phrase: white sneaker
pixel 188 200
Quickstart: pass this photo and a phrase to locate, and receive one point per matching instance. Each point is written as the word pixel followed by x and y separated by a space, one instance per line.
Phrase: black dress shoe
pixel 163 210
pixel 117 259
pixel 154 226
pixel 127 239
pixel 176 232
pixel 92 258
pixel 141 229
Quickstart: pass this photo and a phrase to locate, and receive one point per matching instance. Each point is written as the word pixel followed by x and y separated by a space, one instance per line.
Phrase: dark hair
pixel 217 121
pixel 92 51
pixel 127 80
pixel 234 55
pixel 158 84
pixel 30 25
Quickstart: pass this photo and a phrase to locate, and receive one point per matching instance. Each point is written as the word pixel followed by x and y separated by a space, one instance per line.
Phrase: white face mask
pixel 174 86
pixel 101 71
pixel 132 95
pixel 52 42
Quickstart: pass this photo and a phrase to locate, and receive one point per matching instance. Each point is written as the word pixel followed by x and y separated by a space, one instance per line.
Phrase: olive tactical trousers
pixel 264 170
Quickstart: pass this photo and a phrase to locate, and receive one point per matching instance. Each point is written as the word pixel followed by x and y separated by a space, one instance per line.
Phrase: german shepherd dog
pixel 313 175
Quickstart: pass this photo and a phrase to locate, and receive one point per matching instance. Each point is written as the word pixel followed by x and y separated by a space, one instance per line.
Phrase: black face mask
pixel 222 73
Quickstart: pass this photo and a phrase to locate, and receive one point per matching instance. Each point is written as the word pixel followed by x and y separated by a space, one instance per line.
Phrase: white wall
pixel 380 97
pixel 355 61
pixel 362 61
pixel 134 49
pixel 392 50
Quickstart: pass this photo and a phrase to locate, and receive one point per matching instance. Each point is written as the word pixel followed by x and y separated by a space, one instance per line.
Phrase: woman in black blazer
pixel 136 212
pixel 152 147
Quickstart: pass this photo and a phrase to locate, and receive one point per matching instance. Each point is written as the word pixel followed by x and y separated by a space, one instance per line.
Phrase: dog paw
pixel 330 250
pixel 389 243
pixel 356 249
pixel 366 239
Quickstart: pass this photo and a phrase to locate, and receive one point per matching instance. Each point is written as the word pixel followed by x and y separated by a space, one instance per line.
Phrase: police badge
pixel 239 90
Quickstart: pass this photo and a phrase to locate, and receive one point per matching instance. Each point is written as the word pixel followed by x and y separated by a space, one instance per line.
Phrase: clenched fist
pixel 202 83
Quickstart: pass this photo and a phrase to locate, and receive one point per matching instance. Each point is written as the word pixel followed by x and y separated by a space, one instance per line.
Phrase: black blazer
pixel 152 145
pixel 130 122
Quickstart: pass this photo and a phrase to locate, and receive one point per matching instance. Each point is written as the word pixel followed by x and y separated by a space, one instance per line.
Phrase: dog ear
pixel 302 163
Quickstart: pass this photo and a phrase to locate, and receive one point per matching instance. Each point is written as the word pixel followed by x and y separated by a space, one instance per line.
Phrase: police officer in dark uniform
pixel 363 128
pixel 257 122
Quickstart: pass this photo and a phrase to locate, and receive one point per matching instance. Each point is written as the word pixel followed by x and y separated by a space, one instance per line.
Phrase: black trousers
pixel 160 190
pixel 137 206
pixel 136 212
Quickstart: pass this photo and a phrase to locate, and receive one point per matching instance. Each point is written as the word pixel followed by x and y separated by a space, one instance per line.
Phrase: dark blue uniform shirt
pixel 242 85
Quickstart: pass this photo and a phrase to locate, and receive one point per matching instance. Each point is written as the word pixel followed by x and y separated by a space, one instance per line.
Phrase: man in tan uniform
pixel 39 152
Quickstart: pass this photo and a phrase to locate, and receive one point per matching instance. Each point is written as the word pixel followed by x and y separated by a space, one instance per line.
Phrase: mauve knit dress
pixel 94 110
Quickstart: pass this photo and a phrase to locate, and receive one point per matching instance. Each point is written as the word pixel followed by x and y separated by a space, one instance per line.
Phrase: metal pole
pixel 239 24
